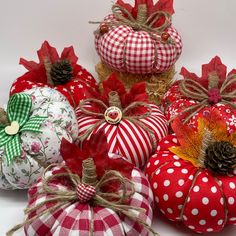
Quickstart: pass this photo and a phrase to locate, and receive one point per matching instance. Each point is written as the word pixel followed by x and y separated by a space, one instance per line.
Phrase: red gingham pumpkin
pixel 81 217
pixel 37 76
pixel 175 102
pixel 203 200
pixel 132 48
pixel 134 139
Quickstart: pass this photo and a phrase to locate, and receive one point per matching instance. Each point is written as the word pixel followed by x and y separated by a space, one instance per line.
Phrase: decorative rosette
pixel 193 174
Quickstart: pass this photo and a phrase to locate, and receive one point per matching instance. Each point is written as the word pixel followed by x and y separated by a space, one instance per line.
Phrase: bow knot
pixel 19 119
pixel 207 96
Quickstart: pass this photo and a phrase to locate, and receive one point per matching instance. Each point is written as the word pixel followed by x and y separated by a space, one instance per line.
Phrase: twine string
pixel 48 67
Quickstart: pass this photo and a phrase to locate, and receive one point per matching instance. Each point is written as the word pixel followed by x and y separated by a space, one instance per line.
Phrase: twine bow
pixel 113 200
pixel 214 94
pixel 16 120
pixel 114 100
pixel 142 22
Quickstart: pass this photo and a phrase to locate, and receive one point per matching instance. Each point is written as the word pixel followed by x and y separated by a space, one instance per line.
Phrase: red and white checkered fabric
pixel 78 218
pixel 85 192
pixel 131 51
pixel 127 139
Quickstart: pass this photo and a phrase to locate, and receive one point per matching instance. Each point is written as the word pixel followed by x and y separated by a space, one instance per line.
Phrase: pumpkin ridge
pixel 224 200
pixel 197 173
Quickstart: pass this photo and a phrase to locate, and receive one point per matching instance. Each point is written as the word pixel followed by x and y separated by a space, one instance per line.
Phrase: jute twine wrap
pixel 194 90
pixel 3 118
pixel 63 198
pixel 156 84
pixel 48 66
pixel 114 100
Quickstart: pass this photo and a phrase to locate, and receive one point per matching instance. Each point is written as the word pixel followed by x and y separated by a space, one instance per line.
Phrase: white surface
pixel 207 29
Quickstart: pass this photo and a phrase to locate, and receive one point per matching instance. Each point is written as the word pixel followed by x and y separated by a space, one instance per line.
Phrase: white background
pixel 207 29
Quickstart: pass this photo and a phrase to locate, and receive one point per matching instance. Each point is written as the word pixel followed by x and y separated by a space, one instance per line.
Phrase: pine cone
pixel 220 157
pixel 61 72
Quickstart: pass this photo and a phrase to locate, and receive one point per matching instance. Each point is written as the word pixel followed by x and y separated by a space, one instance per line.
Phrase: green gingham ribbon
pixel 18 109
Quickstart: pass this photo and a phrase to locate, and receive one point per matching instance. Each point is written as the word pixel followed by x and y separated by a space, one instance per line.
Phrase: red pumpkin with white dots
pixel 139 39
pixel 194 96
pixel 193 175
pixel 59 72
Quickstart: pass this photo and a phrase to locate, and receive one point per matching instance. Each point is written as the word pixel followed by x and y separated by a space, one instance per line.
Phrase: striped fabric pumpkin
pixel 134 138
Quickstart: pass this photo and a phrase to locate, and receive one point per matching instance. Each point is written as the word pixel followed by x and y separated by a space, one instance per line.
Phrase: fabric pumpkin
pixel 193 175
pixel 139 39
pixel 60 72
pixel 42 117
pixel 193 96
pixel 133 126
pixel 85 213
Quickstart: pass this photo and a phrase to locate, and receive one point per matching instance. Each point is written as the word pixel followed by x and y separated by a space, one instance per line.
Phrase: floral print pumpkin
pixel 139 39
pixel 133 126
pixel 193 174
pixel 107 196
pixel 60 72
pixel 193 96
pixel 31 133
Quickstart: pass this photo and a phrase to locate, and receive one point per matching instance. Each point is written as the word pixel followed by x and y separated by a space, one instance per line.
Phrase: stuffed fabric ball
pixel 31 131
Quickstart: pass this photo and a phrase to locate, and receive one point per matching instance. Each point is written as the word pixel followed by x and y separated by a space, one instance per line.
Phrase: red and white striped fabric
pixel 127 139
pixel 77 218
pixel 127 50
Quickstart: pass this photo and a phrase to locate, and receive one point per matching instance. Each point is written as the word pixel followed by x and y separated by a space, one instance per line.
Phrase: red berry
pixel 165 36
pixel 104 28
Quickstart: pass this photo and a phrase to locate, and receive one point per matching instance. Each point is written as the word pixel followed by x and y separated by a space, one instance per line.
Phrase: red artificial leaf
pixel 73 156
pixel 164 5
pixel 136 94
pixel 127 6
pixel 69 53
pixel 188 75
pixel 215 65
pixel 113 84
pixel 47 51
pixel 29 65
pixel 95 147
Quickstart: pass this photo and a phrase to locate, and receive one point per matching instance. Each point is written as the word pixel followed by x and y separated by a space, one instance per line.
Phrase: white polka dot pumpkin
pixel 203 201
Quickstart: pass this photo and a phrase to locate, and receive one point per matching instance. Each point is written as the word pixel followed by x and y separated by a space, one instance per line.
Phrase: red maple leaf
pixel 136 94
pixel 50 53
pixel 214 66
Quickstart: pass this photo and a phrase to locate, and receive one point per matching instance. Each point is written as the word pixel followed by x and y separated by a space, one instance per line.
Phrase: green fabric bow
pixel 18 113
